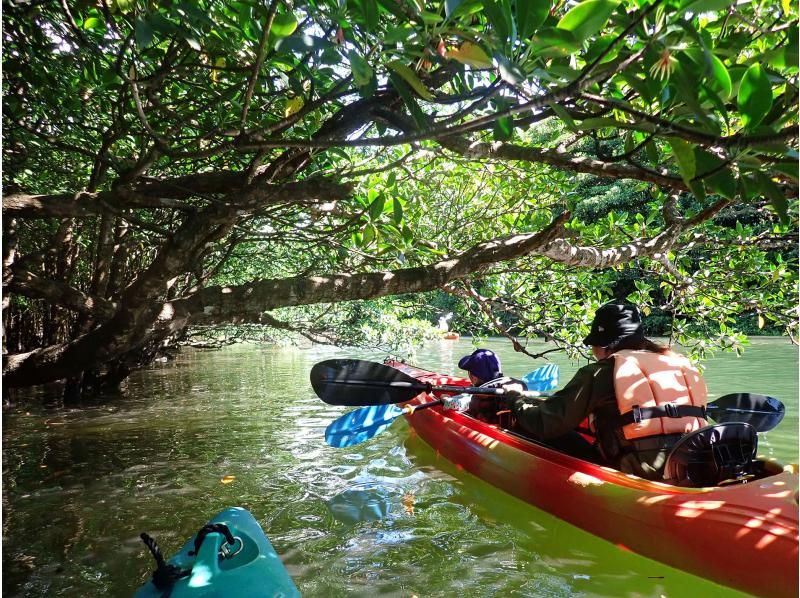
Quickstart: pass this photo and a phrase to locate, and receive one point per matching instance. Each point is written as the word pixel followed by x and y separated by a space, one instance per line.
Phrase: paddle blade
pixel 543 378
pixel 357 505
pixel 760 411
pixel 355 383
pixel 360 425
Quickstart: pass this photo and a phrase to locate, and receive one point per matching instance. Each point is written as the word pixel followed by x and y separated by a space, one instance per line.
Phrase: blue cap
pixel 483 364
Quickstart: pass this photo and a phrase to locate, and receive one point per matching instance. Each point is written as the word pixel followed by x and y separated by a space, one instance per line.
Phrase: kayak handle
pixel 228 553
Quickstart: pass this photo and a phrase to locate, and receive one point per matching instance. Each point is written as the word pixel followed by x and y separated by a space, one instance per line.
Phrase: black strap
pixel 639 414
pixel 165 575
pixel 211 528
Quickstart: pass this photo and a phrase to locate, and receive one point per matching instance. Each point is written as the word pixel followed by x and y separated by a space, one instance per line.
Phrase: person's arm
pixel 559 414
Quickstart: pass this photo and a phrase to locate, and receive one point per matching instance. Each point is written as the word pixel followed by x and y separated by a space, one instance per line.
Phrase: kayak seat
pixel 713 456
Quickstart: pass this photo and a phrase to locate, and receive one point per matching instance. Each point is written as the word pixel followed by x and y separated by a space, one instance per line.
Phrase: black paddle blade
pixel 358 383
pixel 760 411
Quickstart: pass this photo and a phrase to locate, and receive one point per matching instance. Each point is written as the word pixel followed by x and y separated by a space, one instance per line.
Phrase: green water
pixel 80 485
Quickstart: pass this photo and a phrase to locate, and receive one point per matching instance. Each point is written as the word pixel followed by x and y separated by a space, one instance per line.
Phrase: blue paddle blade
pixel 543 378
pixel 361 425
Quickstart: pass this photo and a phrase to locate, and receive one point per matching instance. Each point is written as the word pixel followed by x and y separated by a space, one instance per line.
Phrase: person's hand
pixel 506 401
pixel 512 392
pixel 457 402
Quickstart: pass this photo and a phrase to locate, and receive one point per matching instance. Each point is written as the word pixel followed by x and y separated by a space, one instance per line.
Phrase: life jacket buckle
pixel 671 409
pixel 637 414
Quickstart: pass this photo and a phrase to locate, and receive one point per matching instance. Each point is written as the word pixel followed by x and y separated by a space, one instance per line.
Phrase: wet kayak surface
pixel 242 427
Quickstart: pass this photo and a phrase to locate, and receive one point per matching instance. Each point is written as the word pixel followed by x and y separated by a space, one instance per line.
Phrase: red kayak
pixel 744 536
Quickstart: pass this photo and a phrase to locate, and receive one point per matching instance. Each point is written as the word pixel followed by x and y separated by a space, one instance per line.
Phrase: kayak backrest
pixel 714 455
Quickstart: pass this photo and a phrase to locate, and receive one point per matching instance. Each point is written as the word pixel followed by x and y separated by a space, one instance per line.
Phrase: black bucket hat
pixel 613 323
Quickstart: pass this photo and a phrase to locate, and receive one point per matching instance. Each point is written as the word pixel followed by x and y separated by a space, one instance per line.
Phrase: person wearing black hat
pixel 636 400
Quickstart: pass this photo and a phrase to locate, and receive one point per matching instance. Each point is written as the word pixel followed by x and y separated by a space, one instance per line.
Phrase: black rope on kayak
pixel 165 575
pixel 212 528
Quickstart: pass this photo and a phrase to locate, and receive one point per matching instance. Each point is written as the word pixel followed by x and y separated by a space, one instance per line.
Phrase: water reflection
pixel 384 517
pixel 369 503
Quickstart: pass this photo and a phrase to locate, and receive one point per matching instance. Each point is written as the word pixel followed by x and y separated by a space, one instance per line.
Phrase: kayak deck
pixel 744 536
pixel 251 568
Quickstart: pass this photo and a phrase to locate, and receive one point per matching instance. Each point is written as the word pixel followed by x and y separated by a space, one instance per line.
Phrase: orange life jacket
pixel 658 394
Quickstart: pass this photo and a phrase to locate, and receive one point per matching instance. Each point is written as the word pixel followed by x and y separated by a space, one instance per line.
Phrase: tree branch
pixel 559 159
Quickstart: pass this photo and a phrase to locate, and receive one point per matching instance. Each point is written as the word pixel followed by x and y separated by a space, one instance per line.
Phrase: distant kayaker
pixel 662 395
pixel 483 367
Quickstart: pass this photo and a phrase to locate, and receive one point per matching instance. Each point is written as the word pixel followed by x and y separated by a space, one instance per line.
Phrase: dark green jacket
pixel 591 392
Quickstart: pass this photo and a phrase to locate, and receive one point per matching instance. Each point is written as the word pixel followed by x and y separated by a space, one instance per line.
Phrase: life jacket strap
pixel 639 414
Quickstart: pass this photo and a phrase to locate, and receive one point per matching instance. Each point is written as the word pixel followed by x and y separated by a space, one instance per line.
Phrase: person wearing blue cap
pixel 483 367
pixel 638 399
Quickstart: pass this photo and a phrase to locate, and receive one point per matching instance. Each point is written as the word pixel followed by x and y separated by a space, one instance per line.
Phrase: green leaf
pixel 646 88
pixel 192 41
pixel 684 156
pixel 398 34
pixel 195 15
pixel 599 46
pixel 331 56
pixel 498 13
pixel 376 207
pixel 599 122
pixel 720 77
pixel 699 191
pixel 551 42
pixel 411 78
pixel 370 8
pixel 700 6
pixel 410 101
pixel 163 25
pixel 717 178
pixel 450 7
pixel 789 169
pixel 302 44
pixel 362 71
pixel 565 117
pixel 712 68
pixel 143 33
pixel 652 152
pixel 530 14
pixel 587 18
pixel 283 25
pixel 470 54
pixel 125 6
pixel 503 128
pixel 509 72
pixel 430 18
pixel 775 195
pixel 394 7
pixel 93 23
pixel 722 182
pixel 755 96
pixel 397 210
pixel 629 142
pixel 370 232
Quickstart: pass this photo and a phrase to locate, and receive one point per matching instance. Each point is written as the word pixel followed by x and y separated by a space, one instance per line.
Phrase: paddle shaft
pixel 426 387
pixel 409 409
pixel 713 407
